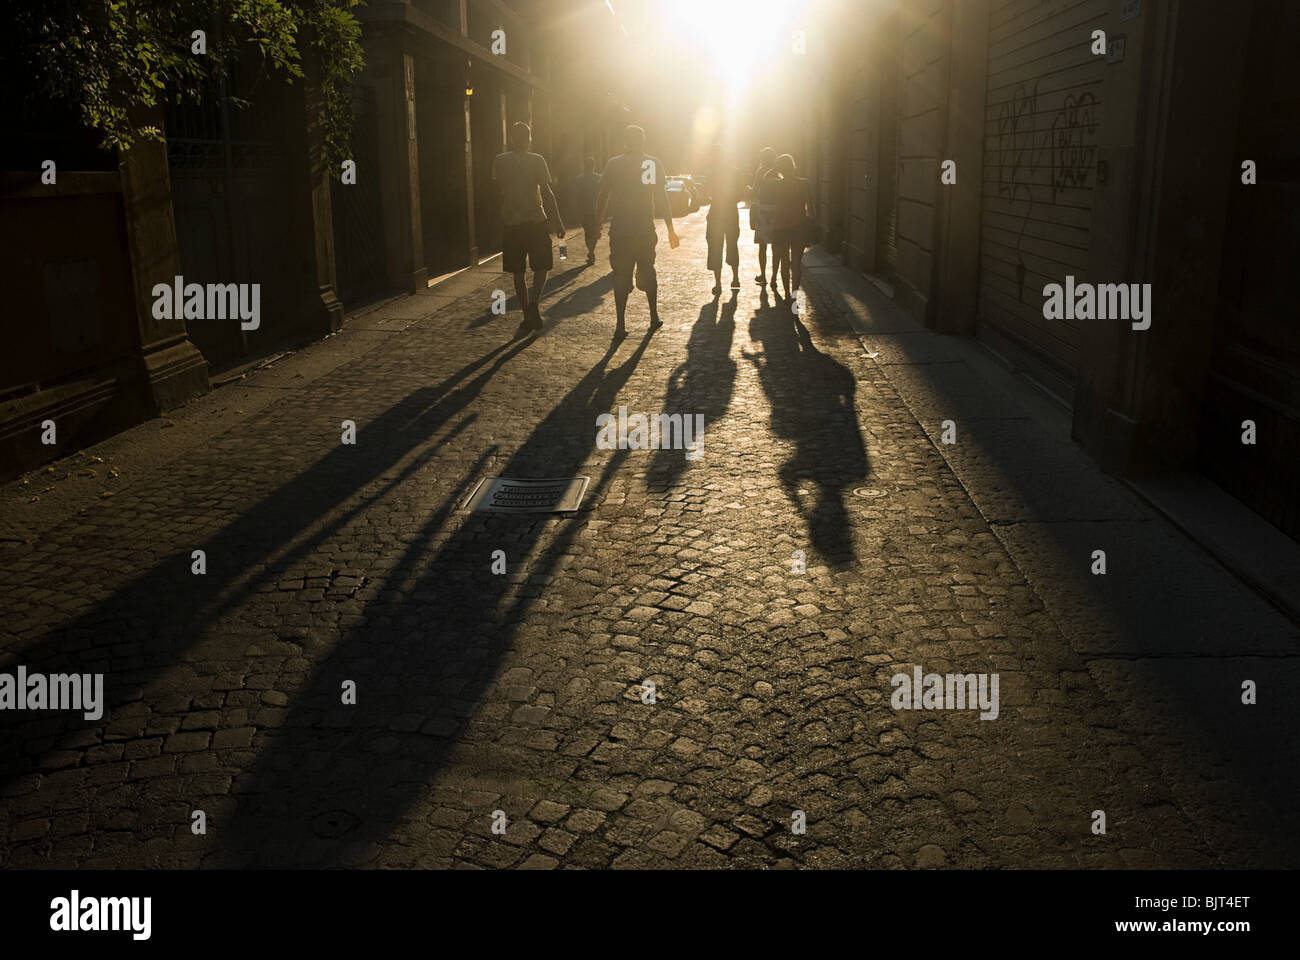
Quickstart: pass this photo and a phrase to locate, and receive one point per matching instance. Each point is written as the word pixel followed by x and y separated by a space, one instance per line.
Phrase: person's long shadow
pixel 580 300
pixel 701 384
pixel 336 777
pixel 812 400
pixel 147 626
pixel 562 280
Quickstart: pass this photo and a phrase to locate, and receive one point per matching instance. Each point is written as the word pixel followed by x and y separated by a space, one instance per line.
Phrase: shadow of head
pixel 701 385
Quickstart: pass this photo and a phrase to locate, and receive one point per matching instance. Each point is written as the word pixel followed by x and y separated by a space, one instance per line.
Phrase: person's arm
pixel 661 196
pixel 549 206
pixel 602 198
pixel 552 210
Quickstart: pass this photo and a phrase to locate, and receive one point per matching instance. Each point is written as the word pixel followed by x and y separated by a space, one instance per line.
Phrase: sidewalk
pixel 331 565
pixel 1167 625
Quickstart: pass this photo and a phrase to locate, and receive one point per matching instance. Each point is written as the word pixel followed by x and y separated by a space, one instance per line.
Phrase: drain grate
pixel 504 495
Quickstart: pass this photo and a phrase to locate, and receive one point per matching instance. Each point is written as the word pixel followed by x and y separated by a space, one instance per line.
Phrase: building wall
pixel 231 186
pixel 1042 114
pixel 1255 363
pixel 90 356
pixel 440 118
pixel 1114 168
pixel 923 63
pixel 96 359
pixel 443 106
pixel 1009 91
pixel 862 142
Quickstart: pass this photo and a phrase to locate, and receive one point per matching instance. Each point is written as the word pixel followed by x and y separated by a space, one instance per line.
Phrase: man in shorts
pixel 527 203
pixel 632 184
pixel 722 228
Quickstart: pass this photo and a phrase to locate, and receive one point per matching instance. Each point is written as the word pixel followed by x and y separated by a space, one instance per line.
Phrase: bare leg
pixel 620 308
pixel 732 237
pixel 782 266
pixel 796 264
pixel 762 261
pixel 521 291
pixel 717 280
pixel 648 279
pixel 539 284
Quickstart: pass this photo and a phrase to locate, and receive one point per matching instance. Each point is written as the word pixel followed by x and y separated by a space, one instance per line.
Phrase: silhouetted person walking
pixel 792 200
pixel 633 185
pixel 760 213
pixel 527 202
pixel 723 223
pixel 585 187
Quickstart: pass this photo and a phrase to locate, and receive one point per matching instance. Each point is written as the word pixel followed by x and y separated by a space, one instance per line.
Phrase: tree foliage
pixel 115 59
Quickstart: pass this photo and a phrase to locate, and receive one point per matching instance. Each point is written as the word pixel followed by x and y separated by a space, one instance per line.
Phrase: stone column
pixel 391 72
pixel 959 210
pixel 469 182
pixel 317 307
pixel 171 369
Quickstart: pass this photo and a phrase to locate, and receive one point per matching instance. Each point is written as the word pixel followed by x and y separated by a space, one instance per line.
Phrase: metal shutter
pixel 1041 120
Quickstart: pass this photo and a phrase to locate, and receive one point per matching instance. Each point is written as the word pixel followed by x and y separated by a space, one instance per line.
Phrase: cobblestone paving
pixel 476 692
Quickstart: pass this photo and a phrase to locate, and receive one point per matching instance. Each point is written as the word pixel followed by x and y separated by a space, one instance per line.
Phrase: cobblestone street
pixel 476 692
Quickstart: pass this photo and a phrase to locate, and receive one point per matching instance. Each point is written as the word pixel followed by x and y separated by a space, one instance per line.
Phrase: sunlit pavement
pixel 330 565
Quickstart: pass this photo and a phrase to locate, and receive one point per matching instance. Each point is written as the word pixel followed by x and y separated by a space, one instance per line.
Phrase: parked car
pixel 679 196
pixel 692 188
pixel 702 189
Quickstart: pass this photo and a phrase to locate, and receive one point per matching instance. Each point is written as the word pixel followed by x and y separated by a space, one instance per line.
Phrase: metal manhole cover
pixel 868 492
pixel 334 823
pixel 504 495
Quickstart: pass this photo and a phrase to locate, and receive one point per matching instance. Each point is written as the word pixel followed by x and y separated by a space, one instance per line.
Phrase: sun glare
pixel 739 38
